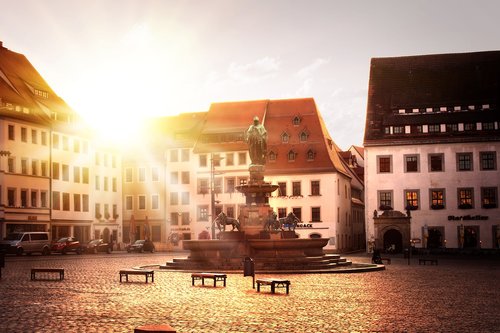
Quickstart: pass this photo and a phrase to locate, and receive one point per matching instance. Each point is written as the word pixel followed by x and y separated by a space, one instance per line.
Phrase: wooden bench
pixel 146 273
pixel 214 276
pixel 274 283
pixel 430 261
pixel 47 270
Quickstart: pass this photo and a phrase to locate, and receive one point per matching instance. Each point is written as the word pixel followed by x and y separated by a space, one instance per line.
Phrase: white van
pixel 26 242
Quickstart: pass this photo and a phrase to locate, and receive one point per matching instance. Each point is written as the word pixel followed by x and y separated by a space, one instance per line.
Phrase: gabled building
pixel 431 151
pixel 206 157
pixel 47 173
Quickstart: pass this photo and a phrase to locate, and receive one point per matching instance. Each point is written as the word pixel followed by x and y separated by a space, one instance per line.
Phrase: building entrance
pixel 435 239
pixel 393 241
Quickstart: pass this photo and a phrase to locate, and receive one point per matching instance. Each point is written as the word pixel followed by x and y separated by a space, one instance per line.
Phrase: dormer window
pixel 291 156
pixel 41 93
pixel 272 156
pixel 303 136
pixel 310 155
pixel 296 121
pixel 285 137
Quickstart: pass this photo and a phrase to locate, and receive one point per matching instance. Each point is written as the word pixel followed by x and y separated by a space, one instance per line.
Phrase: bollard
pixel 155 329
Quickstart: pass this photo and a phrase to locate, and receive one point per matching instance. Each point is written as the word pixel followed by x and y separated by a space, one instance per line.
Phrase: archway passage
pixel 393 239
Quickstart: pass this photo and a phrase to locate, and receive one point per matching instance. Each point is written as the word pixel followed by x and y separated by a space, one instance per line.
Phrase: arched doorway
pixel 393 237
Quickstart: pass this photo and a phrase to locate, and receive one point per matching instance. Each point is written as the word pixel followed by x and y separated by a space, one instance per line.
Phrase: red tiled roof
pixel 18 81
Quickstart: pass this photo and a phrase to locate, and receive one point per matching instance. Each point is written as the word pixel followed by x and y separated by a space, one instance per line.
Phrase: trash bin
pixel 248 267
pixel 406 253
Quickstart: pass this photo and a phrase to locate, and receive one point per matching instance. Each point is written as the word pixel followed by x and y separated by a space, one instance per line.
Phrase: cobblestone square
pixel 458 295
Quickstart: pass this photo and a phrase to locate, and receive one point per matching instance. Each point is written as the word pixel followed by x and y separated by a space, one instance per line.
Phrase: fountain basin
pixel 290 247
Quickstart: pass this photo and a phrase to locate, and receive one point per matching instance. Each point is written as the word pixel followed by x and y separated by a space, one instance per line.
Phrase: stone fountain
pixel 271 249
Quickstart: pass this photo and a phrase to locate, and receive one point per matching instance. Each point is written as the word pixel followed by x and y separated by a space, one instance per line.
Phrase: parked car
pixel 141 245
pixel 97 245
pixel 66 244
pixel 26 242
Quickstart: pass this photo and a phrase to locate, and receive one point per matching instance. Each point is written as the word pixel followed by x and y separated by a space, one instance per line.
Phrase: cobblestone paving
pixel 455 296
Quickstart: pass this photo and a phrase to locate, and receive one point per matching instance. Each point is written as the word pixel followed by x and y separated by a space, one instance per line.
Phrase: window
pixel 285 137
pixel 229 159
pixel 230 184
pixel 115 211
pixel 437 198
pixel 272 156
pixel 155 201
pixel 129 202
pixel 315 187
pixel 242 158
pixel 34 168
pixel 85 175
pixel 76 146
pixel 218 185
pixel 451 127
pixel 106 182
pixel 296 189
pixel 97 182
pixel 11 165
pixel 242 181
pixel 203 213
pixel 469 126
pixel 296 121
pixel 77 203
pixel 113 161
pixel 411 199
pixel 85 202
pixel 488 160
pixel 281 213
pixel 142 174
pixel 174 155
pixel 216 158
pixel 434 128
pixel 230 211
pixel 488 126
pixel 174 177
pixel 65 172
pixel 174 198
pixel 76 174
pixel 185 155
pixel 398 130
pixel 384 164
pixel 315 214
pixel 464 161
pixel 174 219
pixel 465 198
pixel 24 198
pixel 411 163
pixel 12 132
pixel 43 199
pixel 24 134
pixel 97 158
pixel 282 189
pixel 489 197
pixel 202 186
pixel 97 211
pixel 203 160
pixel 310 155
pixel 34 197
pixel 24 166
pixel 298 212
pixel 185 198
pixel 185 177
pixel 44 138
pixel 56 200
pixel 303 137
pixel 65 200
pixel 291 156
pixel 185 218
pixel 34 136
pixel 436 162
pixel 55 170
pixel 142 202
pixel 155 174
pixel 55 141
pixel 385 200
pixel 114 184
pixel 128 175
pixel 43 167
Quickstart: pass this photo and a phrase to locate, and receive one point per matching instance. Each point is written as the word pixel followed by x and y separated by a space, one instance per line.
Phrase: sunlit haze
pixel 116 62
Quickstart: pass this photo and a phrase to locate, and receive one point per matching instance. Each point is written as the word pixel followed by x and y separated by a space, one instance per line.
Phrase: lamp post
pixel 213 159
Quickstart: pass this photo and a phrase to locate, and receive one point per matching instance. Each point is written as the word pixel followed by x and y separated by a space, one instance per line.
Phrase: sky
pixel 116 61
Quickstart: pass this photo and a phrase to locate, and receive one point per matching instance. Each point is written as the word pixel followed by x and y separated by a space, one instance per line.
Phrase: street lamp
pixel 213 159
